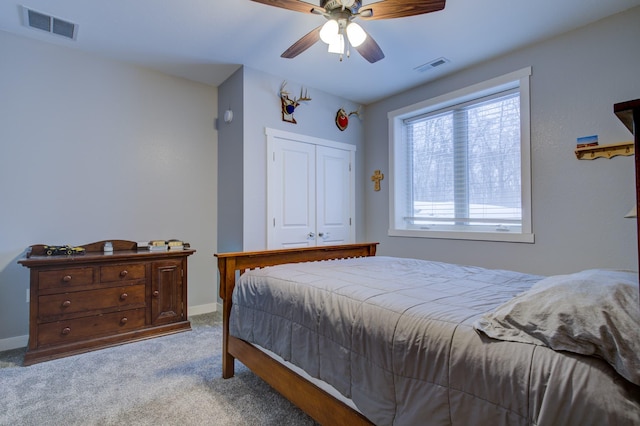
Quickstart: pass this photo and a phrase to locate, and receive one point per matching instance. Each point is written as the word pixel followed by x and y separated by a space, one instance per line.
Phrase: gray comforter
pixel 396 337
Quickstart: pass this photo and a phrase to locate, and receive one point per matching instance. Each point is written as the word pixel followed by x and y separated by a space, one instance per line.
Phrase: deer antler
pixel 283 93
pixel 356 113
pixel 304 97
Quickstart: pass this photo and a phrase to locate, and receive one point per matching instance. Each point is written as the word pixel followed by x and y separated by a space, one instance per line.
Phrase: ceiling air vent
pixel 50 24
pixel 431 65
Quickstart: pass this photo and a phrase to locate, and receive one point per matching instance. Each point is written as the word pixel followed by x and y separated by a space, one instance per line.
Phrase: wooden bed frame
pixel 320 405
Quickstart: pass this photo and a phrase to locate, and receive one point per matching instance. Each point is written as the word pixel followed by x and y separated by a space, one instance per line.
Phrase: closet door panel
pixel 333 196
pixel 292 195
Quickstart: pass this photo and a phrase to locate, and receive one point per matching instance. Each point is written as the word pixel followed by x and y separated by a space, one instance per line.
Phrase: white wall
pixel 93 149
pixel 578 206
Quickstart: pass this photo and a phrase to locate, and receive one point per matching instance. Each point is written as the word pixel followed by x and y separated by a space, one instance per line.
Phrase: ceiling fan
pixel 340 31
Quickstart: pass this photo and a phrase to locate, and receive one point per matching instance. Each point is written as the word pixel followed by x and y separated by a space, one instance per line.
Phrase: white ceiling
pixel 207 40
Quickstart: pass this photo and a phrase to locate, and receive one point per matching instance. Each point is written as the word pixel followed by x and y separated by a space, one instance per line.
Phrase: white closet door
pixel 333 196
pixel 291 195
pixel 310 192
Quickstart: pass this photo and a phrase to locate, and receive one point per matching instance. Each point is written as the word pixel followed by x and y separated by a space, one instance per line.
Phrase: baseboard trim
pixel 13 343
pixel 203 309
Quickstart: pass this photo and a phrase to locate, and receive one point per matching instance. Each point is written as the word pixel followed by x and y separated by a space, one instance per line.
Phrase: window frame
pixel 397 154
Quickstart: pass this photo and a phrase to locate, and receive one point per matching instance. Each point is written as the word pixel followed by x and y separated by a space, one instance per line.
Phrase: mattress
pixel 395 336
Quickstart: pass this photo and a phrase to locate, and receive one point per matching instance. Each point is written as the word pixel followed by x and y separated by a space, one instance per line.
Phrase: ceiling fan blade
pixel 295 5
pixel 388 9
pixel 370 50
pixel 303 44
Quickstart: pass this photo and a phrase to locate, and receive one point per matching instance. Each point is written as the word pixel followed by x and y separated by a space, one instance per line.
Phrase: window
pixel 460 164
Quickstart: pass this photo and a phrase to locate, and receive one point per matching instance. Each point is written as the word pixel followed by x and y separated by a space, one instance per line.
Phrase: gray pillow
pixel 594 312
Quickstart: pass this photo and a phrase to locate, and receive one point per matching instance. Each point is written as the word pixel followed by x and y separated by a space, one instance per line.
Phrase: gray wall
pixel 578 206
pixel 94 149
pixel 230 148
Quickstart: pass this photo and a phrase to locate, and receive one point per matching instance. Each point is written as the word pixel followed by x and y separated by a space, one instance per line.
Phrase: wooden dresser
pixel 84 302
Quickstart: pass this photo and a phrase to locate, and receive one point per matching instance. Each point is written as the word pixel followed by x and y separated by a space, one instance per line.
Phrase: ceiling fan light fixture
pixel 329 31
pixel 356 34
pixel 337 45
pixel 340 13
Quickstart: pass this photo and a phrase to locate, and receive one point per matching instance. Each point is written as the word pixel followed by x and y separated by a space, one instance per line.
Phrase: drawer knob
pixel 66 278
pixel 124 273
pixel 66 303
pixel 124 320
pixel 156 293
pixel 66 331
pixel 123 296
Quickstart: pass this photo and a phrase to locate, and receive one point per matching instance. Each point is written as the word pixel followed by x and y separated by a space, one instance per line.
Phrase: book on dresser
pixel 86 302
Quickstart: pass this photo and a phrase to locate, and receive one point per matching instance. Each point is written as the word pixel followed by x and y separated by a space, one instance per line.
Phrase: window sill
pixel 472 236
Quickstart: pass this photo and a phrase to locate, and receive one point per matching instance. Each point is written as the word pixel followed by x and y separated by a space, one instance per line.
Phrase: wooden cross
pixel 376 178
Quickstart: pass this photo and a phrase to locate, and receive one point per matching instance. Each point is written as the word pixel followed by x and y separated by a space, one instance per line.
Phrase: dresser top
pixel 94 252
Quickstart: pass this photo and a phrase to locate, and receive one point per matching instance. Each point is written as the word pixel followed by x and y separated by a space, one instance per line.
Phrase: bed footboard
pixel 311 399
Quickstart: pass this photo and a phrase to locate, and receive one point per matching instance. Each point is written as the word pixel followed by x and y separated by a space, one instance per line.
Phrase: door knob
pixel 311 236
pixel 323 235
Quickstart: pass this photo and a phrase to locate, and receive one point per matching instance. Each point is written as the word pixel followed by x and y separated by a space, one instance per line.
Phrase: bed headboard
pixel 230 264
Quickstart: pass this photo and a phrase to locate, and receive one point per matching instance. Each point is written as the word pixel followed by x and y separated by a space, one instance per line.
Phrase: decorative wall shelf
pixel 605 151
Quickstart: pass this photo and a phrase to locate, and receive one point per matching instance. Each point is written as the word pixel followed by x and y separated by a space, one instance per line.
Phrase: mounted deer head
pixel 289 105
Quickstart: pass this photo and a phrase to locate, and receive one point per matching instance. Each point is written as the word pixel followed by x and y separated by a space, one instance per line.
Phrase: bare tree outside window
pixel 465 164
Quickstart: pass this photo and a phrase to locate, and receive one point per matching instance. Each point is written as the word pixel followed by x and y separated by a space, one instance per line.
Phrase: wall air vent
pixel 432 64
pixel 50 24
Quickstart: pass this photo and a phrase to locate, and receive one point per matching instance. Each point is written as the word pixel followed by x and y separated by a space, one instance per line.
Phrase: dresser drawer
pixel 122 272
pixel 54 305
pixel 62 332
pixel 65 278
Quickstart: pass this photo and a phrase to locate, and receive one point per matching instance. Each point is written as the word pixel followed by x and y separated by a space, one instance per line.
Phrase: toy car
pixel 58 250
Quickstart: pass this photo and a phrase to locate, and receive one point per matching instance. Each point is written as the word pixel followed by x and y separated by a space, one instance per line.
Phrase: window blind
pixel 463 165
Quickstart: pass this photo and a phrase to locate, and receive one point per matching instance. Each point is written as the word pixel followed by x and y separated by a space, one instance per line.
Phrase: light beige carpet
pixel 170 380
